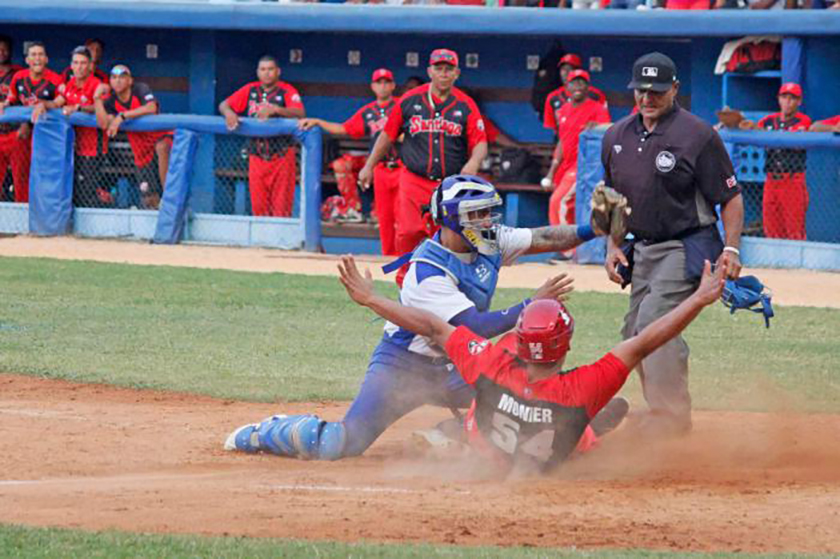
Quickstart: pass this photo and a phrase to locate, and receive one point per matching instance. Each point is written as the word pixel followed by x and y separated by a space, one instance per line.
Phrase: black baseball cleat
pixel 610 416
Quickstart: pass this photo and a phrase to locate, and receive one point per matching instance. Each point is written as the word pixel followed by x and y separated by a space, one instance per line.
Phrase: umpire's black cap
pixel 653 72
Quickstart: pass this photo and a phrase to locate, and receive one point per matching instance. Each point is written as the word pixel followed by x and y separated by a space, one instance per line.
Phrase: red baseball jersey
pixel 438 135
pixel 250 98
pixel 142 143
pixel 370 121
pixel 27 92
pixel 559 96
pixel 511 416
pixel 571 120
pixel 785 160
pixel 89 141
pixel 67 74
pixel 5 90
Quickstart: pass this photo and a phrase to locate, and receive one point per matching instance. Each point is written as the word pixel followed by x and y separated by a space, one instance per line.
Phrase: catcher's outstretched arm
pixel 554 238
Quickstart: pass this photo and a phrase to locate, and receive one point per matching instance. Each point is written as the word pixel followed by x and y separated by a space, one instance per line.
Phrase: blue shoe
pixel 247 437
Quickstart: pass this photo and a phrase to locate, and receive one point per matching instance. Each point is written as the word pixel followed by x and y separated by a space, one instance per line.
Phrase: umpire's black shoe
pixel 610 416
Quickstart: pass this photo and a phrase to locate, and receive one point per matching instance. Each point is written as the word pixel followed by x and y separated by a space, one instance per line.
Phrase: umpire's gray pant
pixel 658 286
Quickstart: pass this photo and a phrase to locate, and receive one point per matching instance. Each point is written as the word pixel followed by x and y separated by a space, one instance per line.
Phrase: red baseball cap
pixel 443 56
pixel 571 59
pixel 382 74
pixel 792 89
pixel 578 74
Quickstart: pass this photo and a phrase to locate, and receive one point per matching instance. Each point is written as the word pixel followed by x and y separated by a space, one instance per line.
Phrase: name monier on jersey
pixel 419 124
pixel 530 414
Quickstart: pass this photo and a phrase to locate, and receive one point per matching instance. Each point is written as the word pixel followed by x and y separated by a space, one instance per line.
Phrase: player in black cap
pixel 674 170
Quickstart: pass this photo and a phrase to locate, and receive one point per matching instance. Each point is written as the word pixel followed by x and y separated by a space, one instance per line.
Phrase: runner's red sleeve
pixel 395 122
pixel 592 386
pixel 238 101
pixel 355 125
pixel 472 355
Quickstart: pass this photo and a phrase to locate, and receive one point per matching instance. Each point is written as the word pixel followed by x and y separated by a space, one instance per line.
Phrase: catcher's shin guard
pixel 302 436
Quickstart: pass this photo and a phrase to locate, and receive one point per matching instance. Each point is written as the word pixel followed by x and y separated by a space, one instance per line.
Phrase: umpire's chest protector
pixel 477 279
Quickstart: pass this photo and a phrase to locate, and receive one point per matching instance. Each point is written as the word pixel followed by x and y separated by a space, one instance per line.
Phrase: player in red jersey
pixel 78 94
pixel 523 395
pixel 785 192
pixel 569 120
pixel 10 150
pixel 36 87
pixel 129 100
pixel 568 64
pixel 369 121
pixel 95 47
pixel 272 169
pixel 443 134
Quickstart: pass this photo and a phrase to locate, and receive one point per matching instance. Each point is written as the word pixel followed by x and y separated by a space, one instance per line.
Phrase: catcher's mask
pixel 544 332
pixel 463 204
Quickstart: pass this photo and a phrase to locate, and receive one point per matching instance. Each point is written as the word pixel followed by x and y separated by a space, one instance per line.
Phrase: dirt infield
pixel 98 457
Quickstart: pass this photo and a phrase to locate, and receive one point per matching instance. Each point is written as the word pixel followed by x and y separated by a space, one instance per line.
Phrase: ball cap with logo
pixel 382 74
pixel 791 88
pixel 653 72
pixel 578 75
pixel 443 56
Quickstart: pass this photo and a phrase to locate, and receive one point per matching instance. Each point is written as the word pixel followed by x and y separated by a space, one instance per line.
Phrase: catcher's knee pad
pixel 303 436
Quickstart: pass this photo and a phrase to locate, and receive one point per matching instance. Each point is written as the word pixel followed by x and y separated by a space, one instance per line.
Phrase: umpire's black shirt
pixel 672 177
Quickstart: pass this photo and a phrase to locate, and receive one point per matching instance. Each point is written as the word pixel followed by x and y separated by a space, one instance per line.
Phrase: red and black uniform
pixel 67 75
pixel 29 92
pixel 568 121
pixel 370 121
pixel 272 168
pixel 511 416
pixel 438 137
pixel 90 142
pixel 10 150
pixel 142 143
pixel 785 192
pixel 833 121
pixel 560 96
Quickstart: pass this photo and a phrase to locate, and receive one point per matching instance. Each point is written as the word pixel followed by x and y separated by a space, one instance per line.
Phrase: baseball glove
pixel 609 213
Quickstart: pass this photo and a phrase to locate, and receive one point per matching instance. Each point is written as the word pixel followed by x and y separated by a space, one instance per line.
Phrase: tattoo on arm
pixel 553 238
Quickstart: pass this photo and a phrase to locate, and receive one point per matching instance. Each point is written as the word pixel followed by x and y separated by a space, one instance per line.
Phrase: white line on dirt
pixel 350 489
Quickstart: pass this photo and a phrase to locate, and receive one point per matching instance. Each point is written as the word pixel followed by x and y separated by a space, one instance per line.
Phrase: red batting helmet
pixel 544 332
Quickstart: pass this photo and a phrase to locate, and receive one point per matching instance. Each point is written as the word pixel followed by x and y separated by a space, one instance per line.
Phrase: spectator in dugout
pixel 568 120
pixel 568 63
pixel 36 87
pixel 272 167
pixel 129 100
pixel 78 95
pixel 785 192
pixel 369 121
pixel 11 153
pixel 96 47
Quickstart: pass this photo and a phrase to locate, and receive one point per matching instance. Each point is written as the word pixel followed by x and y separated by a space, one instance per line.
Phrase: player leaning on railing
pixel 453 276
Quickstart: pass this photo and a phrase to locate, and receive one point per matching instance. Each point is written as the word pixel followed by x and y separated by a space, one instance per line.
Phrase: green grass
pixel 273 337
pixel 16 541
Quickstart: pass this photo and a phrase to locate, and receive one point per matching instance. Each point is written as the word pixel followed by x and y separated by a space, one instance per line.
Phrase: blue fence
pixel 192 180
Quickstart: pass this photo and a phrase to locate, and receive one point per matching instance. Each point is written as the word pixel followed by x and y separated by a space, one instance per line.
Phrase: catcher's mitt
pixel 609 213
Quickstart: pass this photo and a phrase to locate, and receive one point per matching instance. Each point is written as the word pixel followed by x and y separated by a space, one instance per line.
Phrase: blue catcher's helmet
pixel 457 197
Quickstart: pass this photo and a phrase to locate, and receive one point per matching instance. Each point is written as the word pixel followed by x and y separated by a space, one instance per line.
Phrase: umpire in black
pixel 674 170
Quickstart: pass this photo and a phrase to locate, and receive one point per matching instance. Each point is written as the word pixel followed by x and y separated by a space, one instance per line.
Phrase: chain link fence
pixel 791 188
pixel 257 177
